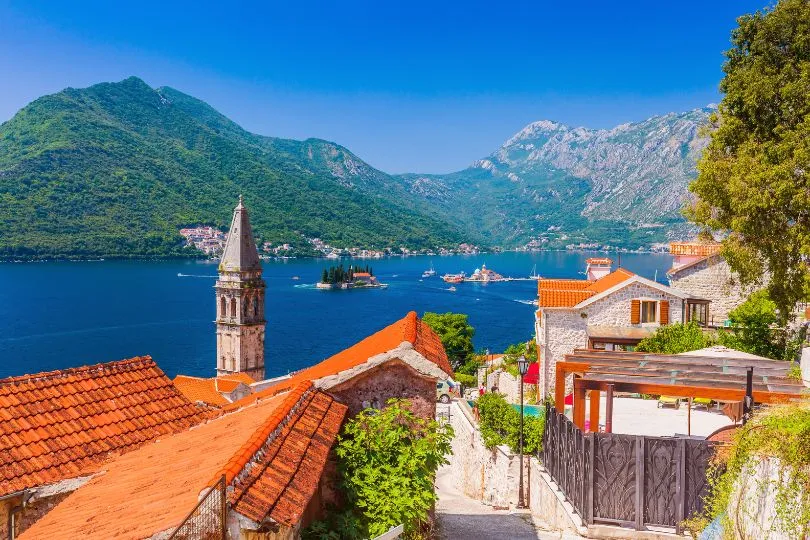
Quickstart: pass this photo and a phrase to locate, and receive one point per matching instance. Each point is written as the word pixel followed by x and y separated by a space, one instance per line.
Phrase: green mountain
pixel 559 185
pixel 116 169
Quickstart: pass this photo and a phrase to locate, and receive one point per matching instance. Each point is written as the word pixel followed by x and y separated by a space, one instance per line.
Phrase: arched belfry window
pixel 233 307
pixel 255 307
pixel 222 312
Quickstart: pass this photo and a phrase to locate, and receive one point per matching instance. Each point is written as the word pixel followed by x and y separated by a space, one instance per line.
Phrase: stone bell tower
pixel 240 302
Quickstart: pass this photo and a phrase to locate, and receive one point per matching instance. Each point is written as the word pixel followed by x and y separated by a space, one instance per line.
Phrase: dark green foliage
pixel 338 274
pixel 515 351
pixel 115 170
pixel 753 179
pixel 387 461
pixel 676 338
pixel 456 335
pixel 499 423
pixel 755 330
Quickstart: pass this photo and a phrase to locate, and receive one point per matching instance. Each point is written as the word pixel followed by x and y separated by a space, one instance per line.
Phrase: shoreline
pixel 103 258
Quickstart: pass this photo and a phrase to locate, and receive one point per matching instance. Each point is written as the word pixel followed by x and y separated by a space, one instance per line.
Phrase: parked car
pixel 443 391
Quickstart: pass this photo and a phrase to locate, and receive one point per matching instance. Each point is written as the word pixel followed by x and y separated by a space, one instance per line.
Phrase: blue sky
pixel 408 86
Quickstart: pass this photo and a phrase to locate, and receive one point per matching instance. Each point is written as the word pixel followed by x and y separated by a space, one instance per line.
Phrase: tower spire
pixel 240 254
pixel 240 302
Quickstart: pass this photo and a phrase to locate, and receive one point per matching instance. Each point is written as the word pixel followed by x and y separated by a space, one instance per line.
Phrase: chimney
pixel 598 267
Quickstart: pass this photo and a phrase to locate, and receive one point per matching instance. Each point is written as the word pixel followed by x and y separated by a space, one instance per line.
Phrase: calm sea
pixel 55 315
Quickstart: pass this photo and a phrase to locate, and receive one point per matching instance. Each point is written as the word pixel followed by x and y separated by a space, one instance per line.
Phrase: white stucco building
pixel 609 310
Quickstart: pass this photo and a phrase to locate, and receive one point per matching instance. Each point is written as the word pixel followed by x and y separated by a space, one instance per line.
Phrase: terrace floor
pixel 643 417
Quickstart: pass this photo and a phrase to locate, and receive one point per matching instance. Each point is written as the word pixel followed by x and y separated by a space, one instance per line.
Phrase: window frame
pixel 655 311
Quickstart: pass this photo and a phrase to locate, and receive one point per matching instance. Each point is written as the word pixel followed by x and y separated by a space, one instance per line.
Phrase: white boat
pixel 452 289
pixel 429 273
pixel 534 275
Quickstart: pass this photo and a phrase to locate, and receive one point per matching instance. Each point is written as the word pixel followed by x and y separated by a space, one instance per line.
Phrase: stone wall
pixel 393 379
pixel 563 330
pixel 548 503
pixel 490 476
pixel 753 504
pixel 35 509
pixel 713 280
pixel 509 386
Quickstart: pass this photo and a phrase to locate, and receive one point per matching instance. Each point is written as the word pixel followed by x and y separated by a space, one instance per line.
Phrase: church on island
pixel 118 450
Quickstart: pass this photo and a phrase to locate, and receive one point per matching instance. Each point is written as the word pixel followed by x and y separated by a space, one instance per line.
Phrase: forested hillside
pixel 116 169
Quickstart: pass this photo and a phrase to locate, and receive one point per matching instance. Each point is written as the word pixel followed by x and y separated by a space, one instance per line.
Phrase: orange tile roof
pixel 611 280
pixel 564 298
pixel 699 249
pixel 63 424
pixel 285 441
pixel 241 377
pixel 562 284
pixel 199 389
pixel 570 292
pixel 410 328
pixel 599 260
pixel 362 274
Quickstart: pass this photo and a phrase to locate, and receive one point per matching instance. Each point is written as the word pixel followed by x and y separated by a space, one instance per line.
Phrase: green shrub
pixel 469 381
pixel 387 461
pixel 499 423
pixel 676 338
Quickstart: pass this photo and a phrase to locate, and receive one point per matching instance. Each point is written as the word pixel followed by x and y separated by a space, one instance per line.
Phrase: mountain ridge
pixel 622 186
pixel 116 169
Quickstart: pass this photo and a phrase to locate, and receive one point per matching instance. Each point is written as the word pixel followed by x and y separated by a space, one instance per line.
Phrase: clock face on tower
pixel 240 300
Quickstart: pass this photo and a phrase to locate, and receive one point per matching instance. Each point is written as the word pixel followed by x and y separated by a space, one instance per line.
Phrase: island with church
pixel 355 277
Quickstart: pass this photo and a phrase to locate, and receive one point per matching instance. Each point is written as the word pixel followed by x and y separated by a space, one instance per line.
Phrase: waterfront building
pixel 609 310
pixel 240 302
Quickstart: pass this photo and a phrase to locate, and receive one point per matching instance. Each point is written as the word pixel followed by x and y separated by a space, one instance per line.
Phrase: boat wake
pixel 527 302
pixel 195 275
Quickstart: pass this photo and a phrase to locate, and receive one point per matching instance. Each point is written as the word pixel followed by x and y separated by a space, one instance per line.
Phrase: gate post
pixel 639 483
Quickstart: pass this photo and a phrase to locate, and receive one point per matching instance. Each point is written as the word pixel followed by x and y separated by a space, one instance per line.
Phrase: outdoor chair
pixel 669 401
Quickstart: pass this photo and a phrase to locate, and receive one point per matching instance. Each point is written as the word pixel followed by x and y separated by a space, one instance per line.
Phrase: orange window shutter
pixel 664 305
pixel 635 311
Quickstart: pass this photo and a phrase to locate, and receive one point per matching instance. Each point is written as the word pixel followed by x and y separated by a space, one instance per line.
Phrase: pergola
pixel 719 378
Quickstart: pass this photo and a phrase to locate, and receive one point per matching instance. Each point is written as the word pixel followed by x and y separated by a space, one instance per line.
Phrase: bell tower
pixel 240 302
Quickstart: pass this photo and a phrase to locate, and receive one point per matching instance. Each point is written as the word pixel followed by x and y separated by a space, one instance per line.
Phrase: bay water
pixel 55 315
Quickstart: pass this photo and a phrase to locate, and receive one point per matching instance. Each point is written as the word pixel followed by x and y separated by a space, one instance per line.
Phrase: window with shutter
pixel 664 312
pixel 635 311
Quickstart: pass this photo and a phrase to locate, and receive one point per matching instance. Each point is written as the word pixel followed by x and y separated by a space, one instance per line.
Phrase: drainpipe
pixel 26 495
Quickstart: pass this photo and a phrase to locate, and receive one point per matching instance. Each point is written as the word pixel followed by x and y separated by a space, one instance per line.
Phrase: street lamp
pixel 523 367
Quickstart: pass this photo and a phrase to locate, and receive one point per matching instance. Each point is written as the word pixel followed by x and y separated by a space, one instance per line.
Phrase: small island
pixel 356 277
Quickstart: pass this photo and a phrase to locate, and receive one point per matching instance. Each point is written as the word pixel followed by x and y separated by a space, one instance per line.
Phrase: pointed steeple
pixel 240 254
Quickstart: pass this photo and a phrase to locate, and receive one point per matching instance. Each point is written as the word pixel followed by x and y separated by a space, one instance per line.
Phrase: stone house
pixel 56 429
pixel 610 310
pixel 699 269
pixel 273 448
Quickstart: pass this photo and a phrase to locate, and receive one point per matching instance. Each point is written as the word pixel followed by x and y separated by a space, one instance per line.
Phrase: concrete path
pixel 462 518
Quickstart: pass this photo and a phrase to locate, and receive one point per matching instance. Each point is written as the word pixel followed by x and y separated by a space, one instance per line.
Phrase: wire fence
pixel 207 521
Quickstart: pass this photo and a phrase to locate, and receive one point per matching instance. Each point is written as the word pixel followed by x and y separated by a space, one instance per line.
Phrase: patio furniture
pixel 669 401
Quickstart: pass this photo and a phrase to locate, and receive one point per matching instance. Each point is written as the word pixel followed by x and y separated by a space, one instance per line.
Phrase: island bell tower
pixel 240 302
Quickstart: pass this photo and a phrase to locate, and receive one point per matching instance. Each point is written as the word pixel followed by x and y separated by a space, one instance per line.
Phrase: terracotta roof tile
pixel 199 389
pixel 410 328
pixel 599 260
pixel 284 439
pixel 58 424
pixel 570 292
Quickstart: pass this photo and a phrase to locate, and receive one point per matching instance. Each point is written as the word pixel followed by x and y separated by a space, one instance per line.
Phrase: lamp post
pixel 523 367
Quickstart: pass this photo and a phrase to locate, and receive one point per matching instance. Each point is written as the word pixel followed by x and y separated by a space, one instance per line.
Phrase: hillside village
pixel 670 408
pixel 119 450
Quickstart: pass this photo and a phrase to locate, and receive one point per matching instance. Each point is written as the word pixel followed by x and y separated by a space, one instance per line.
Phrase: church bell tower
pixel 240 302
